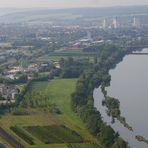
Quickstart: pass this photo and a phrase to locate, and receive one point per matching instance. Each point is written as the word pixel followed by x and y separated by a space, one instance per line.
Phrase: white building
pixel 115 23
pixel 104 24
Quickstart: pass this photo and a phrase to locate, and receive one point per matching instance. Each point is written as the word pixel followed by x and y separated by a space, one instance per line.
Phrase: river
pixel 129 83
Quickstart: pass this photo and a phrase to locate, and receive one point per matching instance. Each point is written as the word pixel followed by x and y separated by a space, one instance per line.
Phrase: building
pixel 115 23
pixel 15 69
pixel 135 22
pixel 57 65
pixel 8 91
pixel 104 24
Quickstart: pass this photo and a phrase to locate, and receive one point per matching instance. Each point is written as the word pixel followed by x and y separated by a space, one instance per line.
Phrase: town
pixel 35 53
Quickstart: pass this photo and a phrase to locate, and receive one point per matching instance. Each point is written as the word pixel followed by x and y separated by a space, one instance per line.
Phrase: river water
pixel 129 84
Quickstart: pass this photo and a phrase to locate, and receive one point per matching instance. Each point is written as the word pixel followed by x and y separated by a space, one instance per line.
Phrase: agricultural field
pixel 18 131
pixel 54 134
pixel 46 58
pixel 4 142
pixel 76 53
pixel 82 145
pixel 69 50
pixel 59 92
pixel 56 58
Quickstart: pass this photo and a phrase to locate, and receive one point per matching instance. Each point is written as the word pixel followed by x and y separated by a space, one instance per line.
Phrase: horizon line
pixel 142 5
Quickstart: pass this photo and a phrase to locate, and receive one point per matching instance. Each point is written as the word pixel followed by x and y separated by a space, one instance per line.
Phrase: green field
pixel 82 145
pixel 21 133
pixel 54 134
pixel 65 53
pixel 47 58
pixel 59 92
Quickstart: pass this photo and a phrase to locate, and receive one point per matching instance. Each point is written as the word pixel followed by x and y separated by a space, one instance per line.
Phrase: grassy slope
pixel 60 91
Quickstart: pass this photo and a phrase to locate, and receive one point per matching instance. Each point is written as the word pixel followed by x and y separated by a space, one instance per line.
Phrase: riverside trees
pixel 82 98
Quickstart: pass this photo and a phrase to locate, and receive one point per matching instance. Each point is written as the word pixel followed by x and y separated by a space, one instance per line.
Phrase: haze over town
pixel 68 3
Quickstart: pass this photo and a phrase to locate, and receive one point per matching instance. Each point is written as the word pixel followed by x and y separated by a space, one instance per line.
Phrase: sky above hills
pixel 68 3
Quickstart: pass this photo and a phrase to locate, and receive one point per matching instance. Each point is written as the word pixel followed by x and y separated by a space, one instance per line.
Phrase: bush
pixel 20 111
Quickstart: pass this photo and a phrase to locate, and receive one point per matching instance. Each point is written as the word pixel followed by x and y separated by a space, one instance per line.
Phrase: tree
pixel 107 136
pixel 120 143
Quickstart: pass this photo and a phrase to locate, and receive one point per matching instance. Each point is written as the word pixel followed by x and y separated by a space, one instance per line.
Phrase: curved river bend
pixel 130 85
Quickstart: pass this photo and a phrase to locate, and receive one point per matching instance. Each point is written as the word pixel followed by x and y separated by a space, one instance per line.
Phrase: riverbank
pixel 129 85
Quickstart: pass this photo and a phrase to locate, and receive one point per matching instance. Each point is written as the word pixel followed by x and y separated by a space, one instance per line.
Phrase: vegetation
pixel 39 100
pixel 19 111
pixel 45 111
pixel 82 100
pixel 22 134
pixel 113 106
pixel 38 116
pixel 58 92
pixel 83 145
pixel 54 134
pixel 120 144
pixel 63 96
pixel 71 68
pixel 3 142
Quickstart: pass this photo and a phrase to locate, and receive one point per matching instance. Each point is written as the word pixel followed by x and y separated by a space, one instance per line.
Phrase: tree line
pixel 82 99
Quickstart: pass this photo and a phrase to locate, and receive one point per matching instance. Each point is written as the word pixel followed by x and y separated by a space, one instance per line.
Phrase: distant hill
pixel 24 15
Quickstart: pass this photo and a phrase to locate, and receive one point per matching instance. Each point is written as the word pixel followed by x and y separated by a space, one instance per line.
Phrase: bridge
pixel 137 47
pixel 139 53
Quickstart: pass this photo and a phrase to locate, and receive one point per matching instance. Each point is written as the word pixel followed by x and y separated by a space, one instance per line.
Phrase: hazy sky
pixel 68 3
